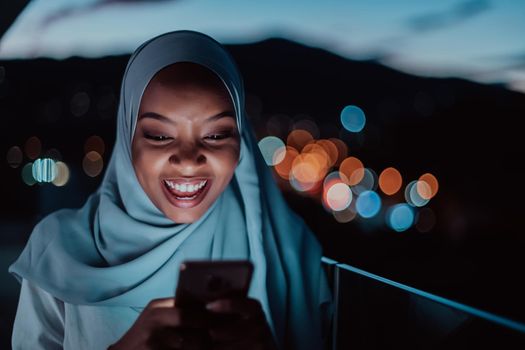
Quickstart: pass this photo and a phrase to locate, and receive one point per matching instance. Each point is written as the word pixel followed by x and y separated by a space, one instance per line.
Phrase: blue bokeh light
pixel 400 217
pixel 44 170
pixel 412 196
pixel 368 204
pixel 272 149
pixel 353 118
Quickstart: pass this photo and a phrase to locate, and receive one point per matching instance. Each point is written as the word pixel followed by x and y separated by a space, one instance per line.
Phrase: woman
pixel 185 181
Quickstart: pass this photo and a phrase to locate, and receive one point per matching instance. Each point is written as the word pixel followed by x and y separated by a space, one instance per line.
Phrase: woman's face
pixel 186 144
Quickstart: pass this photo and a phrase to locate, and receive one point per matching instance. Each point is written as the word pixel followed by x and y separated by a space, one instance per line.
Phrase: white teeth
pixel 188 188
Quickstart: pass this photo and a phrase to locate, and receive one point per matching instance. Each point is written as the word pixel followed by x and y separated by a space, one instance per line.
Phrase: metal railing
pixel 373 312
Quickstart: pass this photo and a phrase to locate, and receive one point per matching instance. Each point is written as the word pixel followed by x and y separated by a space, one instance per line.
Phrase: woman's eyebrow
pixel 165 119
pixel 224 114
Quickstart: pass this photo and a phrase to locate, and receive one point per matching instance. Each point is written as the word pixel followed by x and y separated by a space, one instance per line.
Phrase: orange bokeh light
pixel 94 143
pixel 342 150
pixel 33 147
pixel 352 171
pixel 427 192
pixel 309 167
pixel 330 149
pixel 285 166
pixel 299 138
pixel 390 181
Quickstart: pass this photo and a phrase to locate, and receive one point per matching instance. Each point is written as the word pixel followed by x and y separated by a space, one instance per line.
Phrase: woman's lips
pixel 185 193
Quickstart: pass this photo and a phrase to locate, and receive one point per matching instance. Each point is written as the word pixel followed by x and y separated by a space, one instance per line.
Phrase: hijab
pixel 119 249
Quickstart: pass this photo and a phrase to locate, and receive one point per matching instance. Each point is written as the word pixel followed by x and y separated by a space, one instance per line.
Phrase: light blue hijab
pixel 120 250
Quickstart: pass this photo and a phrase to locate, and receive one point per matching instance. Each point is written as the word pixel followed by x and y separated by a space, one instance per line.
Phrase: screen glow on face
pixel 186 144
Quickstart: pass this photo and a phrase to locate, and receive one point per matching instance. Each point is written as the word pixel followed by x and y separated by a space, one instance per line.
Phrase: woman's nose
pixel 187 154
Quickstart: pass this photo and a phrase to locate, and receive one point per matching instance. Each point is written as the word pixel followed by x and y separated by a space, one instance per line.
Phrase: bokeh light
pixel 427 192
pixel 272 149
pixel 284 168
pixel 353 118
pixel 92 164
pixel 14 157
pixel 27 174
pixel 299 138
pixel 62 176
pixel 308 168
pixel 80 103
pixel 298 185
pixel 338 196
pixel 368 204
pixel 345 215
pixel 44 170
pixel 426 220
pixel 33 147
pixel 368 181
pixel 308 125
pixel 412 196
pixel 400 217
pixel 94 143
pixel 353 170
pixel 330 149
pixel 342 150
pixel 390 181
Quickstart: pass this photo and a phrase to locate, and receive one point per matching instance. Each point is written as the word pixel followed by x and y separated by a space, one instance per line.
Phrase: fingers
pixel 173 317
pixel 161 302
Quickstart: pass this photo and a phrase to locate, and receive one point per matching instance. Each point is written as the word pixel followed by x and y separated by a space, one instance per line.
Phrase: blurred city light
pixel 80 103
pixel 272 149
pixel 308 125
pixel 342 150
pixel 331 150
pixel 44 170
pixel 338 196
pixel 14 157
pixel 284 167
pixel 368 181
pixel 298 139
pixel 92 164
pixel 368 204
pixel 62 177
pixel 400 217
pixel 33 147
pixel 390 181
pixel 345 215
pixel 352 170
pixel 27 174
pixel 94 143
pixel 428 186
pixel 353 118
pixel 412 196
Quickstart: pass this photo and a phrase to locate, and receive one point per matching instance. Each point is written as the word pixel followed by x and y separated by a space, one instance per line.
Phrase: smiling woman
pixel 186 144
pixel 186 181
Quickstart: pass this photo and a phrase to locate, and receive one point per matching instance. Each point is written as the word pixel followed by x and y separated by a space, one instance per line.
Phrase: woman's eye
pixel 157 137
pixel 217 137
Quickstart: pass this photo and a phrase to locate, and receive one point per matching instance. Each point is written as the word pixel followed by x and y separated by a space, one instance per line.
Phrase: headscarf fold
pixel 119 249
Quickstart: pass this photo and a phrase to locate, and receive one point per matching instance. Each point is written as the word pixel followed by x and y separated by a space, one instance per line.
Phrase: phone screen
pixel 201 282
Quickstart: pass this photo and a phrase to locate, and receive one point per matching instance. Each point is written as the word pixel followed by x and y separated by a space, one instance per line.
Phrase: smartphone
pixel 203 281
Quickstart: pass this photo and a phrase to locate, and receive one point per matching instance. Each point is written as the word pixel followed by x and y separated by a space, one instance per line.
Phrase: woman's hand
pixel 163 326
pixel 239 324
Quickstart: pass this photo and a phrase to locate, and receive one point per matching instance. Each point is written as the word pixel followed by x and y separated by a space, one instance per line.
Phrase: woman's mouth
pixel 185 193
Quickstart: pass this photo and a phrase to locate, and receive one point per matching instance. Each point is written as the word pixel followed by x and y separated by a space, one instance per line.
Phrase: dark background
pixel 465 133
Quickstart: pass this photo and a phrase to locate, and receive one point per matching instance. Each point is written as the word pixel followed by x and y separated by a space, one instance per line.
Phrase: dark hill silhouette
pixel 465 133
